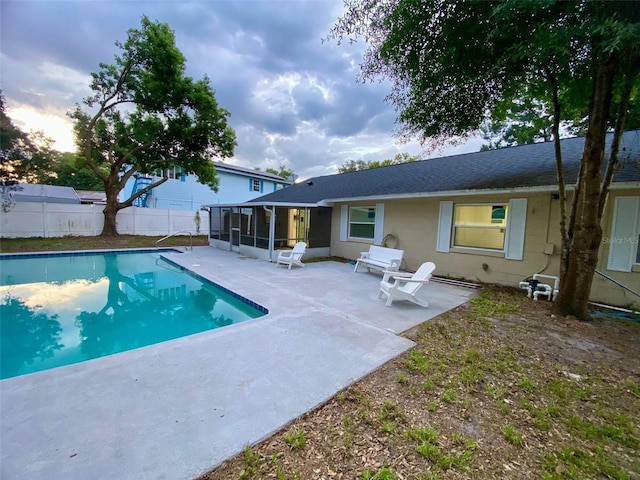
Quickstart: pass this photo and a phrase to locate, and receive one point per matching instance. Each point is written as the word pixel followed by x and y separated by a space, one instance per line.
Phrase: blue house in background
pixel 184 192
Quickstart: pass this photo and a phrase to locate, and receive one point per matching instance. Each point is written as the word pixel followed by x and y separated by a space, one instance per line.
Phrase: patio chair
pixel 292 257
pixel 405 286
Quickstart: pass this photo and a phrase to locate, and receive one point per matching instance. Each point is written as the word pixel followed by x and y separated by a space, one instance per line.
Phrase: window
pixel 171 173
pixel 255 185
pixel 625 235
pixel 496 227
pixel 362 222
pixel 479 226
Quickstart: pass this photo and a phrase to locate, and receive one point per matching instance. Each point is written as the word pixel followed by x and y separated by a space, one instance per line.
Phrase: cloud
pixel 293 99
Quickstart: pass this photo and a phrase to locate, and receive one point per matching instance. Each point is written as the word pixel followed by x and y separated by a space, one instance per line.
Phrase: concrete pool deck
pixel 177 409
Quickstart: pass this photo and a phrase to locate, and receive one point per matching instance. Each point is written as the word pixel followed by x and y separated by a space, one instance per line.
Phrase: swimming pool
pixel 59 309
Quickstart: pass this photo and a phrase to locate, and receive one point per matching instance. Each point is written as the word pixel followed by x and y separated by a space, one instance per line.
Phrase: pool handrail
pixel 175 234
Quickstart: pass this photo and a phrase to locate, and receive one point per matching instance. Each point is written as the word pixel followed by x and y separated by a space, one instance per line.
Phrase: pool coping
pixel 62 253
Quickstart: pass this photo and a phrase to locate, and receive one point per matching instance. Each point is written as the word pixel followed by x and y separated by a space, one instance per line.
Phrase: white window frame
pixel 378 228
pixel 255 184
pixel 352 222
pixel 514 233
pixel 502 226
pixel 625 234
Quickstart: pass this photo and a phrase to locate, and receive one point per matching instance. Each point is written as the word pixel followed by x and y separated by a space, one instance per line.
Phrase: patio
pixel 177 409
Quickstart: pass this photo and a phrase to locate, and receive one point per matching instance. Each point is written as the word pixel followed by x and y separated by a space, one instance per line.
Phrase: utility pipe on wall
pixel 617 283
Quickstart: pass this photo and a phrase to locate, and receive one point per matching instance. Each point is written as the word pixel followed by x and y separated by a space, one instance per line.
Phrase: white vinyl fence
pixel 26 219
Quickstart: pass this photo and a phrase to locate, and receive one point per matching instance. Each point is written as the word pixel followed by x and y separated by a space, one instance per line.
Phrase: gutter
pixel 266 204
pixel 469 192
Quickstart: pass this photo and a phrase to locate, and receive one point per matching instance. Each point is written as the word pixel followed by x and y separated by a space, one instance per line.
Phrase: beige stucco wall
pixel 415 223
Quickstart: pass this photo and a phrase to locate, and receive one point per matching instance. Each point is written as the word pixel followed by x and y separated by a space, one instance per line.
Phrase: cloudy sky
pixel 294 99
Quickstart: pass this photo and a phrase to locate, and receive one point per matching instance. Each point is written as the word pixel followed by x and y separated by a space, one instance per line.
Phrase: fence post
pixel 45 223
pixel 94 223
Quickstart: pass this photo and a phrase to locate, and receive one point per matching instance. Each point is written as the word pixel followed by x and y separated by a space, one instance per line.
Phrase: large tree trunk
pixel 575 286
pixel 111 209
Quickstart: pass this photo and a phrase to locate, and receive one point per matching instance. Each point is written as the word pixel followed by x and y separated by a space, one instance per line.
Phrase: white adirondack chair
pixel 405 286
pixel 292 257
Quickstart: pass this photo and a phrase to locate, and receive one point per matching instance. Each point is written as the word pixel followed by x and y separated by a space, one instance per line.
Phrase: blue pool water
pixel 61 309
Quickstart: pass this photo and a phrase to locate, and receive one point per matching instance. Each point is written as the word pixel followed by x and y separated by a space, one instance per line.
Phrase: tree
pixel 25 157
pixel 146 115
pixel 451 62
pixel 521 122
pixel 354 166
pixel 283 172
pixel 72 171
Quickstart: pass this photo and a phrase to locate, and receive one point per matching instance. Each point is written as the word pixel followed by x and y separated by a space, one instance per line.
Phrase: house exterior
pixel 184 192
pixel 488 216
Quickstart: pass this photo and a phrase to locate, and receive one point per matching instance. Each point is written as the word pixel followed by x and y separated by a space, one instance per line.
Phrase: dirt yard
pixel 498 388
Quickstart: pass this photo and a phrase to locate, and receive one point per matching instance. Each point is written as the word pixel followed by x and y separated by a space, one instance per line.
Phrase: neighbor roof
pixel 249 172
pixel 522 167
pixel 33 192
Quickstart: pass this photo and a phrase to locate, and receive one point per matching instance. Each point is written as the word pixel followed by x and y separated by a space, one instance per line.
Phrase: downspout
pixel 272 229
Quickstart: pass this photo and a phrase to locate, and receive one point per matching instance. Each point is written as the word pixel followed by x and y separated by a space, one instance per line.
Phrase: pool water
pixel 57 310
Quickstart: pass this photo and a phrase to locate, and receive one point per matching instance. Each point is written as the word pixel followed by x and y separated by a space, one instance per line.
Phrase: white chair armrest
pixel 393 274
pixel 411 280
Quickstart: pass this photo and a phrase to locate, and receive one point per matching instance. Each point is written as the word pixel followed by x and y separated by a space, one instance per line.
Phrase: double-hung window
pixel 480 226
pixel 362 222
pixel 255 185
pixel 498 227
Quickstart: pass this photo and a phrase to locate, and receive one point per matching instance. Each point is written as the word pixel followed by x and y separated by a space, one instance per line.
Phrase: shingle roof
pixel 506 168
pixel 249 171
pixel 35 192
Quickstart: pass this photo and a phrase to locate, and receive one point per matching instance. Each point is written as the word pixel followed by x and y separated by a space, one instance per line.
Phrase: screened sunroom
pixel 262 230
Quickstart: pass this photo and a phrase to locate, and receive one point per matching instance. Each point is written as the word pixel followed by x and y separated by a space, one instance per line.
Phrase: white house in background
pixel 184 192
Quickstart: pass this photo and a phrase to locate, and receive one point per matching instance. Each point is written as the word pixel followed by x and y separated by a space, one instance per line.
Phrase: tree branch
pixel 621 117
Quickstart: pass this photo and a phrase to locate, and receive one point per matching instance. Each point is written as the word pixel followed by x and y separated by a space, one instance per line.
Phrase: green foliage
pixel 523 121
pixel 450 62
pixel 429 448
pixel 354 166
pixel 573 463
pixel 512 435
pixel 283 171
pixel 145 114
pixel 295 439
pixel 72 171
pixel 250 462
pixel 383 473
pixel 24 157
pixel 487 307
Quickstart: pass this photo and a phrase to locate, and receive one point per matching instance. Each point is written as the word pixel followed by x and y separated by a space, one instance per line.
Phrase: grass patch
pixel 383 473
pixel 17 245
pixel 512 435
pixel 576 464
pixel 295 439
pixel 484 306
